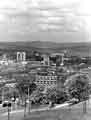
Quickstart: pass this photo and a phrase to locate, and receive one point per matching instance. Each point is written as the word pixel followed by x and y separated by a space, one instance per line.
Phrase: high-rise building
pixel 21 56
pixel 4 57
pixel 46 60
pixel 59 58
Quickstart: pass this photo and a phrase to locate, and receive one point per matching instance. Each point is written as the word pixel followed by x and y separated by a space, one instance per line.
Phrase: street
pixel 61 112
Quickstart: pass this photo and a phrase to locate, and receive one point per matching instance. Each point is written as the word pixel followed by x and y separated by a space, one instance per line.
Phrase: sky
pixel 45 20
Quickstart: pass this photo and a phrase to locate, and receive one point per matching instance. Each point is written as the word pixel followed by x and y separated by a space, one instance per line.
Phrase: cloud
pixel 2 17
pixel 23 17
pixel 26 4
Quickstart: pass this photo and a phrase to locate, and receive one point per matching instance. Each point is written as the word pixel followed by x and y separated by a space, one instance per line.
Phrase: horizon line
pixel 45 41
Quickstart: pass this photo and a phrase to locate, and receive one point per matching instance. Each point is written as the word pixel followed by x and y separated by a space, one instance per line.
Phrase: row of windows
pixel 46 82
pixel 46 77
pixel 39 84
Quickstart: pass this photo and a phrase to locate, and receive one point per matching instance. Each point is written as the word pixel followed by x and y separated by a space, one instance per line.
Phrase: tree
pixel 61 96
pixel 52 94
pixel 25 86
pixel 56 95
pixel 37 95
pixel 23 83
pixel 78 87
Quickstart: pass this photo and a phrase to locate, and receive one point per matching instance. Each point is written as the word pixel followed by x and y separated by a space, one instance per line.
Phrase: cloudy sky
pixel 45 20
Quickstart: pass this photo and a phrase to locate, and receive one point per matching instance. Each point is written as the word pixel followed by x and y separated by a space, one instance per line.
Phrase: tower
pixel 21 56
pixel 60 59
pixel 46 60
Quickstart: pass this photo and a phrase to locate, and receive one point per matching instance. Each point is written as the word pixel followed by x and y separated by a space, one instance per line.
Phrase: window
pixel 41 82
pixel 44 82
pixel 55 82
pixel 51 82
pixel 47 82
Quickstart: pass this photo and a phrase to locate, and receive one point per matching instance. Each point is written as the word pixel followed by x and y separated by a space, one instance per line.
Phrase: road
pixel 59 111
pixel 19 114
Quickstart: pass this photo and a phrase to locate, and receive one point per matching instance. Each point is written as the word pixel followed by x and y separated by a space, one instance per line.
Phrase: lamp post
pixel 25 107
pixel 3 94
pixel 9 104
pixel 9 110
pixel 24 103
pixel 29 99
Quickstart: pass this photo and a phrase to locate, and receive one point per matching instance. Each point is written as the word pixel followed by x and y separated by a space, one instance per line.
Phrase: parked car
pixel 6 104
pixel 73 101
pixel 51 105
pixel 0 101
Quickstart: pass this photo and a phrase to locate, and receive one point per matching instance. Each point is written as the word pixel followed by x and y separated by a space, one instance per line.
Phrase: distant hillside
pixel 83 49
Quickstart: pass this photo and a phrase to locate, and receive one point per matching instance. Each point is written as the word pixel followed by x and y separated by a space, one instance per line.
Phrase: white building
pixel 46 60
pixel 46 81
pixel 21 56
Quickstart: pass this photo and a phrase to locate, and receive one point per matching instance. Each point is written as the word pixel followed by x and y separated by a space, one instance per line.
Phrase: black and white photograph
pixel 45 59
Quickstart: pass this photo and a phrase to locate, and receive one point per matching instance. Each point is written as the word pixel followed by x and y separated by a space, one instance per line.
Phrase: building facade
pixel 21 56
pixel 46 80
pixel 59 58
pixel 46 60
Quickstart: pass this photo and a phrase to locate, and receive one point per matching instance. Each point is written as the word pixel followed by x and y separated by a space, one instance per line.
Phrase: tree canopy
pixel 78 86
